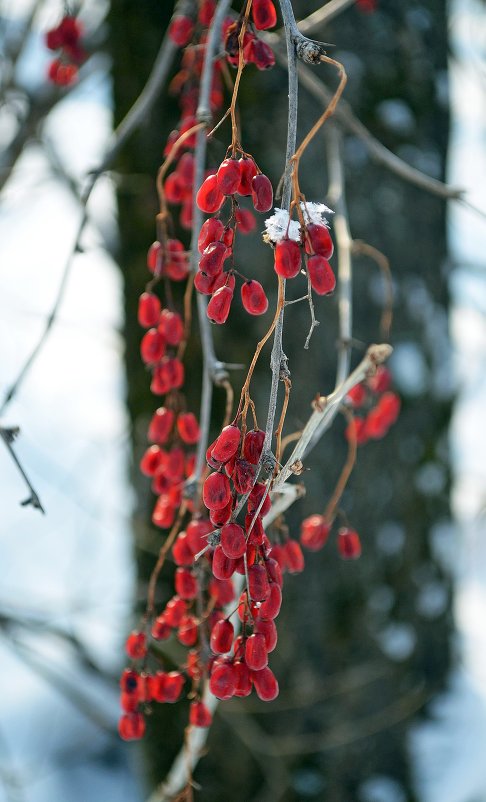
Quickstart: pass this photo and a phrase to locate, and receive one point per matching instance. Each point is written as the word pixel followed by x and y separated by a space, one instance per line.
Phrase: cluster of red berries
pixel 379 405
pixel 170 425
pixel 313 242
pixel 65 37
pixel 255 51
pixel 234 177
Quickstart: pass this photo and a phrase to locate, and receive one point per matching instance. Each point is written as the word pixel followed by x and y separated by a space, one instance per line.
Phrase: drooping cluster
pixel 310 242
pixel 378 406
pixel 65 38
pixel 234 177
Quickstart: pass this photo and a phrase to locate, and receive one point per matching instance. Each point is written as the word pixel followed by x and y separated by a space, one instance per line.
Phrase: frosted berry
pixel 209 198
pixel 321 275
pixel 253 297
pixel 349 544
pixel 261 193
pixel 287 258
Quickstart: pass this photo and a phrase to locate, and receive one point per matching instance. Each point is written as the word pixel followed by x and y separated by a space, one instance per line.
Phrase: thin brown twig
pixel 330 511
pixel 362 248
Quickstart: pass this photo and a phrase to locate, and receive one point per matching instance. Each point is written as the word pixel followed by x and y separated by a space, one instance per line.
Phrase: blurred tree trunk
pixel 363 646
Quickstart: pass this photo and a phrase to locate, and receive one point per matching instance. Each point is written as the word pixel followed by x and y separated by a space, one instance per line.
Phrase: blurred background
pixel 381 662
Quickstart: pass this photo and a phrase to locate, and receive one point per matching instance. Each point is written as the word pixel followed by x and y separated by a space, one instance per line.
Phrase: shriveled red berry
pixel 209 198
pixel 211 231
pixel 287 258
pixel 233 541
pixel 259 491
pixel 243 475
pixel 259 587
pixel 261 193
pixel 226 444
pixel 188 428
pixel 262 55
pixel 222 637
pixel 229 176
pixel 136 645
pixel 199 715
pixel 265 684
pixel 314 532
pixel 216 491
pixel 321 275
pixel 213 258
pixel 253 297
pixel 181 29
pixel 263 14
pixel 248 171
pixel 318 240
pixel 131 726
pixel 220 304
pixel 148 310
pixel 256 655
pixel 349 544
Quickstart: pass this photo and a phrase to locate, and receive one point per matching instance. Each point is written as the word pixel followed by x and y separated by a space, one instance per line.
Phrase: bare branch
pixel 8 436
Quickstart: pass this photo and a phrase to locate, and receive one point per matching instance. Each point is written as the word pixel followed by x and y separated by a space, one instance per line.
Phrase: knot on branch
pixel 214 538
pixel 297 467
pixel 219 374
pixel 9 433
pixel 308 51
pixel 376 355
pixel 190 488
pixel 268 461
pixel 284 372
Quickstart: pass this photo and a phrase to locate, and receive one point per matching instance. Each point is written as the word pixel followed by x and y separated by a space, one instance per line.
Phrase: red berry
pixel 259 587
pixel 243 476
pixel 318 240
pixel 222 591
pixel 253 445
pixel 314 532
pixel 152 347
pixel 265 684
pixel 199 715
pixel 206 12
pixel 181 551
pixel 243 679
pixel 131 727
pixel 223 566
pixel 259 491
pixel 263 14
pixel 161 630
pixel 294 556
pixel 209 198
pixel 148 310
pixel 206 284
pixel 268 629
pixel 222 637
pixel 229 176
pixel 213 258
pixel 256 655
pixel 181 29
pixel 287 258
pixel 155 258
pixel 262 55
pixel 152 460
pixel 349 544
pixel 246 220
pixel 222 682
pixel 357 395
pixel 187 631
pixel 130 681
pixel 262 193
pixel 196 534
pixel 188 428
pixel 380 381
pixel 211 231
pixel 321 275
pixel 220 304
pixel 233 541
pixel 226 444
pixel 221 517
pixel 171 327
pixel 216 491
pixel 253 297
pixel 270 608
pixel 164 513
pixel 136 645
pixel 248 171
